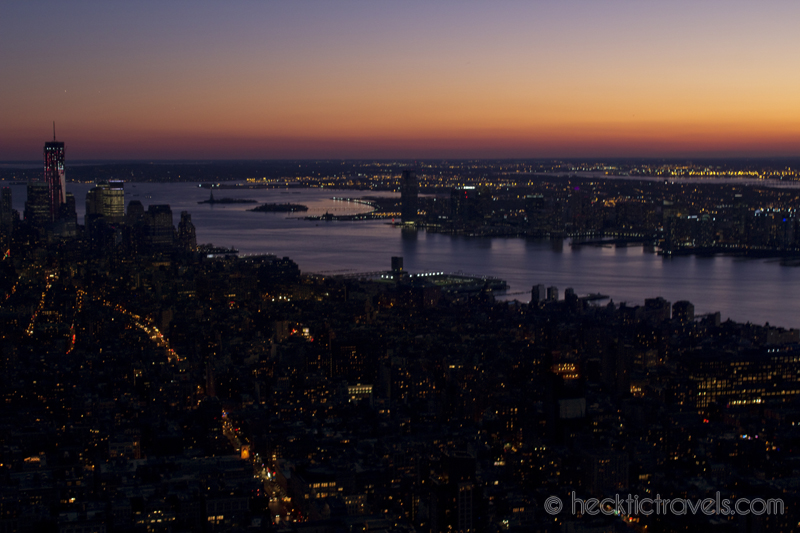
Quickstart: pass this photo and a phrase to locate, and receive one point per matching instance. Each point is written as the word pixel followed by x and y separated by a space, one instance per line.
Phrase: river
pixel 744 290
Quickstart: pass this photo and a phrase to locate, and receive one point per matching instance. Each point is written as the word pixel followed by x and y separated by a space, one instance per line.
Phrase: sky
pixel 400 79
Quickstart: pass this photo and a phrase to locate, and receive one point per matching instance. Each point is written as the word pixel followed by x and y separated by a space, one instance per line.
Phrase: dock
pixel 453 282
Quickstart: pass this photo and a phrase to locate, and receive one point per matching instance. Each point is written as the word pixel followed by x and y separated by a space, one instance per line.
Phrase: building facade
pixel 54 176
pixel 107 198
pixel 409 196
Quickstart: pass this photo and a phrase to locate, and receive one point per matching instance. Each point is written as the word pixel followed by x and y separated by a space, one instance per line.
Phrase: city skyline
pixel 352 80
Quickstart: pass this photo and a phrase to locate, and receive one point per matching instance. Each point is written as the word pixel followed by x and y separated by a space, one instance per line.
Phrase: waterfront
pixel 753 290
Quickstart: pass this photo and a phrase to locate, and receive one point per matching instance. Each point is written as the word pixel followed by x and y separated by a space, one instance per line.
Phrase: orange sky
pixel 412 79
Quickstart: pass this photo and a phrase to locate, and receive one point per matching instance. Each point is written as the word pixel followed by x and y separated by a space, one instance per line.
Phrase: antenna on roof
pixel 54 131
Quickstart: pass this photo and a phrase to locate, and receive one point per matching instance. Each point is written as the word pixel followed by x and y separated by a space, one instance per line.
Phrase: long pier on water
pixel 451 282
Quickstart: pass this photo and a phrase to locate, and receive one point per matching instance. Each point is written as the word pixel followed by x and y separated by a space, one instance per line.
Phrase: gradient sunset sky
pixel 402 79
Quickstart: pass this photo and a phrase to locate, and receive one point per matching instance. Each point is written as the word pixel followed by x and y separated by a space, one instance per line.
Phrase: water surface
pixel 744 290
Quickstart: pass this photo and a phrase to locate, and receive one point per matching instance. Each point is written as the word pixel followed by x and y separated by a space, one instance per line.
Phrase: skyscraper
pixel 107 198
pixel 160 230
pixel 37 206
pixel 187 235
pixel 453 494
pixel 5 207
pixel 114 201
pixel 538 294
pixel 66 225
pixel 54 175
pixel 6 217
pixel 464 204
pixel 409 193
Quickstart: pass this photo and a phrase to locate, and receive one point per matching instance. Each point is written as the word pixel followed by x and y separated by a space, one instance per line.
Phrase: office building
pixel 453 494
pixel 409 196
pixel 683 311
pixel 135 212
pixel 160 229
pixel 538 294
pixel 187 235
pixel 5 206
pixel 552 294
pixel 397 264
pixel 54 176
pixel 107 199
pixel 66 223
pixel 6 216
pixel 464 204
pixel 470 205
pixel 657 310
pixel 605 470
pixel 759 376
pixel 37 206
pixel 114 201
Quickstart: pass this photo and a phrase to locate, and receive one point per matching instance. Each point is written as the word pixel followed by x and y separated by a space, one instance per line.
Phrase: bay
pixel 744 290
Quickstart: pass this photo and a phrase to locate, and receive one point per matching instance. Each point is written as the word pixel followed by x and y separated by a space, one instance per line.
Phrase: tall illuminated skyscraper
pixel 54 174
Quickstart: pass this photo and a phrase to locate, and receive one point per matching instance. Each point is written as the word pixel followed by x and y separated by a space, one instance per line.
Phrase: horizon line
pixel 407 159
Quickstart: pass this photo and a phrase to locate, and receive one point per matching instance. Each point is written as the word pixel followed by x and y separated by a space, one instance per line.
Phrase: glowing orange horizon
pixel 553 140
pixel 361 80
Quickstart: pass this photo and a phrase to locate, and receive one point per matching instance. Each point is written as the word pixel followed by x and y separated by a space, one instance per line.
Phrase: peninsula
pixel 279 208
